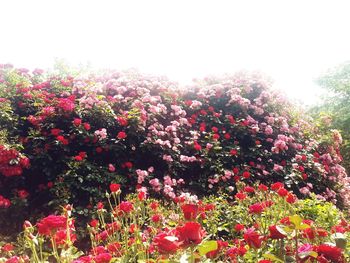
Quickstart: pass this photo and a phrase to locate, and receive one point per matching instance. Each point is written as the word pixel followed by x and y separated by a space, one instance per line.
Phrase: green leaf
pixel 207 246
pixel 273 257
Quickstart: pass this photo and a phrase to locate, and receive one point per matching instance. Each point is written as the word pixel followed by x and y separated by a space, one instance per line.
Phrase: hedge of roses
pixel 65 138
pixel 259 224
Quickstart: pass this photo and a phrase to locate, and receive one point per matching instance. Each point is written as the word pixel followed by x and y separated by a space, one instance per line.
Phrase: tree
pixel 336 105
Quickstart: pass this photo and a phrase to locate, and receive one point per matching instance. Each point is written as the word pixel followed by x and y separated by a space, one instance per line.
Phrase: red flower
pixel 100 205
pixel 61 237
pixel 128 165
pixel 277 186
pixel 87 126
pixel 190 233
pixel 190 211
pixel 23 194
pixel 282 192
pixel 263 187
pixel 252 238
pixel 103 258
pixel 7 247
pixel 51 223
pixel 239 227
pixel 121 135
pixel 114 187
pixel 275 233
pixel 94 223
pixel 126 207
pixel 233 152
pixel 246 174
pixel 166 243
pixel 249 189
pixel 55 132
pixel 291 198
pixel 122 121
pixel 197 147
pixel 241 196
pixel 77 122
pixel 265 261
pixel 216 136
pixel 332 253
pixel 309 233
pixel 78 158
pixel 156 218
pixel 257 208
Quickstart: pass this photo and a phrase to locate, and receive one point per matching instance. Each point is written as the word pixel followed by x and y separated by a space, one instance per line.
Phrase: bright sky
pixel 292 41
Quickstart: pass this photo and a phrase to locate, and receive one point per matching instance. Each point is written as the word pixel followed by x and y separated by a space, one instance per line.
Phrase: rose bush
pixel 142 229
pixel 82 132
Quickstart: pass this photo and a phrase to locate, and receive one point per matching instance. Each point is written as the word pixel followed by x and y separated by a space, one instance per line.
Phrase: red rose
pixel 94 223
pixel 23 194
pixel 216 136
pixel 126 207
pixel 128 165
pixel 166 243
pixel 7 247
pixel 246 174
pixel 282 192
pixel 55 132
pixel 215 129
pixel 275 233
pixel 103 258
pixel 239 227
pixel 263 187
pixel 114 187
pixel 197 147
pixel 291 198
pixel 190 233
pixel 252 238
pixel 51 223
pixel 78 158
pixel 87 126
pixel 233 152
pixel 331 253
pixel 256 208
pixel 190 211
pixel 276 186
pixel 241 196
pixel 77 122
pixel 235 170
pixel 122 121
pixel 249 189
pixel 121 135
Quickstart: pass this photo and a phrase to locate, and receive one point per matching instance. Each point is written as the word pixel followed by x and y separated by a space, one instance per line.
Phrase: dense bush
pixel 82 132
pixel 260 224
pixel 334 110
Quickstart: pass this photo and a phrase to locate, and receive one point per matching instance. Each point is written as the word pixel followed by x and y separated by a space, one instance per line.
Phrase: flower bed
pixel 260 224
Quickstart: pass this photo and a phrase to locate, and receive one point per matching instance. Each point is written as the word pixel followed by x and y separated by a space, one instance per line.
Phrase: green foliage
pixel 336 105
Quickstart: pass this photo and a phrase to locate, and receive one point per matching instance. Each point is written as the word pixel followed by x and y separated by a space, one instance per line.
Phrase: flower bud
pixel 27 224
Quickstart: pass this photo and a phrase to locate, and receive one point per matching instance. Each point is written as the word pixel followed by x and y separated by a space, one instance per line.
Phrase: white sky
pixel 292 41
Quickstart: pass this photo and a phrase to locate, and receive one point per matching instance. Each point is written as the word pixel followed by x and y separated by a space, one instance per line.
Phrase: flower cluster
pixel 82 132
pixel 192 230
pixel 12 162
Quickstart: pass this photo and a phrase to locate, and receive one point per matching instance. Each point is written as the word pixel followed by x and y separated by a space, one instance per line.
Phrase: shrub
pixel 261 224
pixel 82 132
